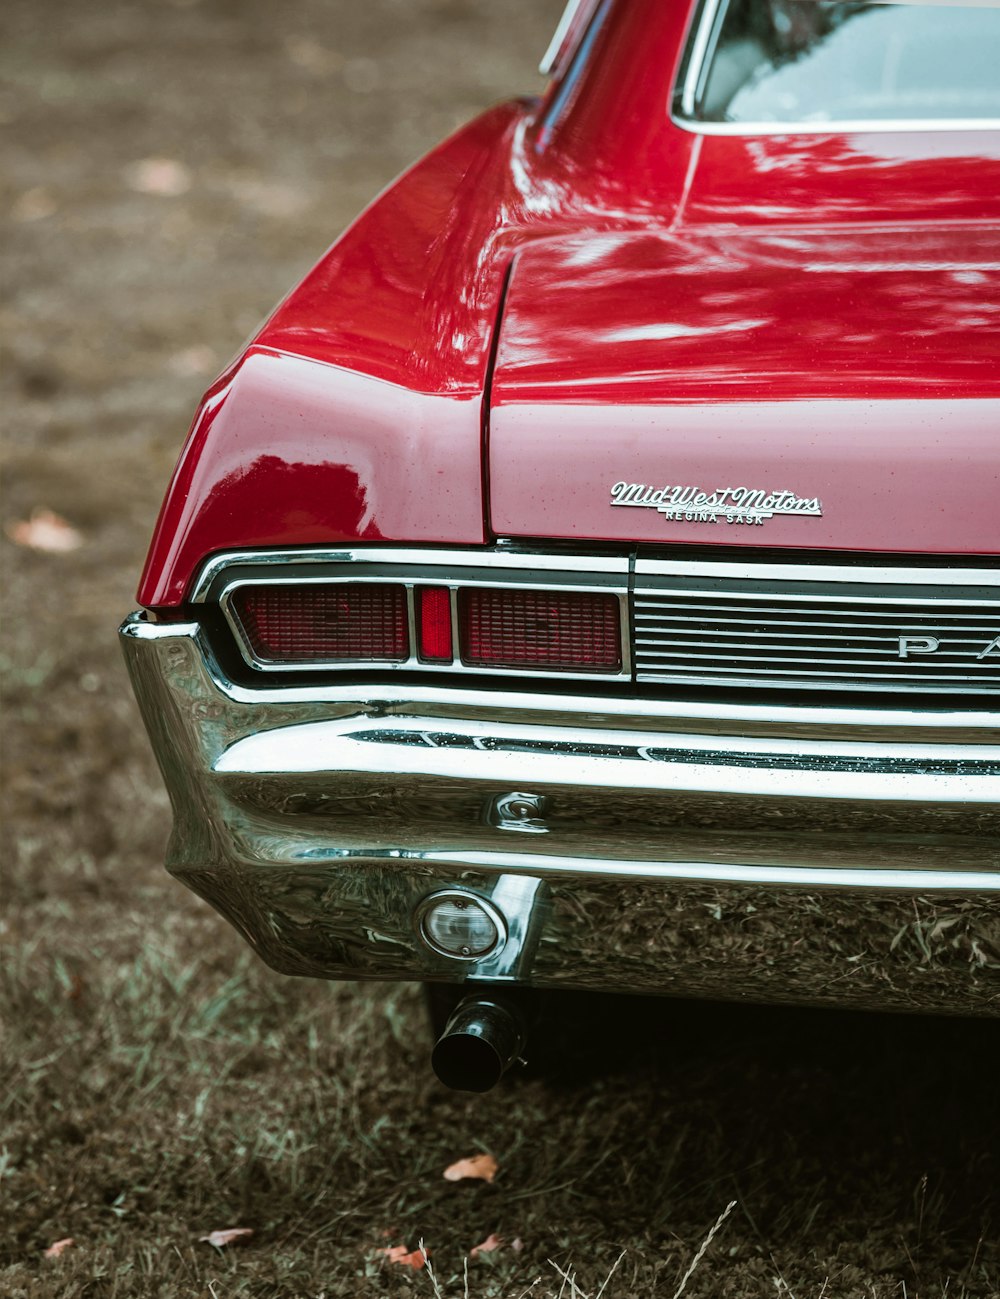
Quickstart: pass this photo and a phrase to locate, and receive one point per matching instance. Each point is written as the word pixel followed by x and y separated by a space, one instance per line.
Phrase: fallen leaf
pixel 483 1167
pixel 229 1236
pixel 404 1257
pixel 517 1244
pixel 58 1247
pixel 45 531
pixel 165 177
pixel 492 1242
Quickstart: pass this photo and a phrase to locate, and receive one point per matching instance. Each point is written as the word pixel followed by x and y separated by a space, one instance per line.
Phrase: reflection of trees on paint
pixel 294 502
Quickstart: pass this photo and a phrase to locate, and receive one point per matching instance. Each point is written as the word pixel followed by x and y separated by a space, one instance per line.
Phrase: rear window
pixel 810 62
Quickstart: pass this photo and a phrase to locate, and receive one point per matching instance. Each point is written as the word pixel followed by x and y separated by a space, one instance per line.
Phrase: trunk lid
pixel 833 390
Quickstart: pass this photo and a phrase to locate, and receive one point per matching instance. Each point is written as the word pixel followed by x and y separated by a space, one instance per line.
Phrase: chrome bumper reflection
pixel 854 860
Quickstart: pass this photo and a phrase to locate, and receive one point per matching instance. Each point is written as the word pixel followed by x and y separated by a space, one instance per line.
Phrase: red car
pixel 588 576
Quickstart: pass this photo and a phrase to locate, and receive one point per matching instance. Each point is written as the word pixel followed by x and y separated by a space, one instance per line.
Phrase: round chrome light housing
pixel 461 925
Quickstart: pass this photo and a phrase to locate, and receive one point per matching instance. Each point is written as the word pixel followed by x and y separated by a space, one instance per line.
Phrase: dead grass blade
pixel 704 1246
pixel 614 1269
pixel 438 1294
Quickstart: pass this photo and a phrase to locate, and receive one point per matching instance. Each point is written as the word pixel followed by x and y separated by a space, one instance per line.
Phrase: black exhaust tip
pixel 484 1037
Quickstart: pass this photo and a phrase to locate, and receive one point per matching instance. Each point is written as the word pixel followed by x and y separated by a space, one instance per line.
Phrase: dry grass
pixel 160 1084
pixel 156 1082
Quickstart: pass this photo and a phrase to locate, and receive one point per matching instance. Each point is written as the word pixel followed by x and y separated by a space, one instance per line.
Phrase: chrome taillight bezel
pixel 223 576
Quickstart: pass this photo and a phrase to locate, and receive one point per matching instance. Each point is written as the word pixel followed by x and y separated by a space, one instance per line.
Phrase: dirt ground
pixel 170 167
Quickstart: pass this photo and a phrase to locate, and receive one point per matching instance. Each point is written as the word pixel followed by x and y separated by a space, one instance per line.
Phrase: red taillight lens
pixel 434 624
pixel 545 629
pixel 350 621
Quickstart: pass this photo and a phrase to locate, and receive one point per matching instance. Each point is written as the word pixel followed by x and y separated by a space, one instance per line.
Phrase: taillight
pixel 317 623
pixel 433 616
pixel 511 628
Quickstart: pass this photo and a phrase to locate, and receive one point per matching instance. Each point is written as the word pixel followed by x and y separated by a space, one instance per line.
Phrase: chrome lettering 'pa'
pixel 909 645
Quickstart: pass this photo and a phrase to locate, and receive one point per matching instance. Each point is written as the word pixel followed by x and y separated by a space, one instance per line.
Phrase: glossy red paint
pixel 732 316
pixel 357 412
pixel 896 476
pixel 900 179
pixel 291 451
pixel 840 366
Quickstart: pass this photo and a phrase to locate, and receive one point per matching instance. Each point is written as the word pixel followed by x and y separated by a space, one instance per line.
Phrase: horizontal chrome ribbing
pixel 817 634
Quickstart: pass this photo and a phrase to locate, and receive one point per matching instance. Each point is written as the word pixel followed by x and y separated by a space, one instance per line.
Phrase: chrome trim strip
pixel 975 725
pixel 551 64
pixel 456 647
pixel 426 556
pixel 411 623
pixel 739 714
pixel 742 714
pixel 819 572
pixel 553 757
pixel 885 126
pixel 597 563
pixel 257 752
pixel 879 685
pixel 697 64
pixel 413 662
pixel 919 881
pixel 655 621
pixel 799 598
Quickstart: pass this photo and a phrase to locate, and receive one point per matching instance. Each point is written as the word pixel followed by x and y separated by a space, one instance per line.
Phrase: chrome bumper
pixel 817 855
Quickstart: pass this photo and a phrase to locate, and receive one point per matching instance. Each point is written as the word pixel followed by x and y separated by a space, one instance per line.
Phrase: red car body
pixel 834 303
pixel 578 303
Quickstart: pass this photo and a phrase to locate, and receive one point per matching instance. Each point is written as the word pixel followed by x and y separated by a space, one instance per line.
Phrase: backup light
pixel 526 628
pixel 317 623
pixel 460 925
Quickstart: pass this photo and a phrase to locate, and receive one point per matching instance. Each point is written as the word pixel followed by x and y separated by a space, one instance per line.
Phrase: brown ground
pixel 157 1082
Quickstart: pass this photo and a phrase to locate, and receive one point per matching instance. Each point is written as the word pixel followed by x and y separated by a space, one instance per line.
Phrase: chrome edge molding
pixel 409 568
pixel 320 826
pixel 841 880
pixel 698 56
pixel 556 56
pixel 428 557
pixel 872 127
pixel 862 574
pixel 966 726
pixel 505 560
pixel 413 662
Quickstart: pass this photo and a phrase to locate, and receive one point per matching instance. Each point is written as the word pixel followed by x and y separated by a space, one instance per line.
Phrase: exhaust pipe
pixel 484 1037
